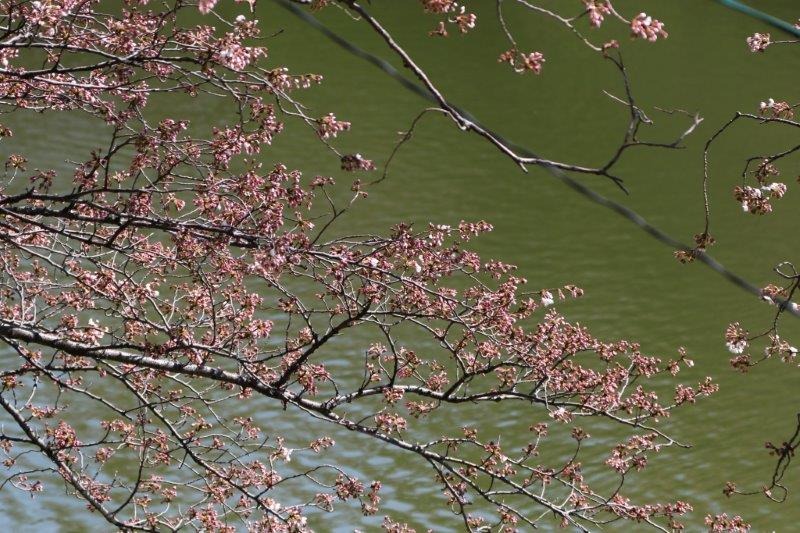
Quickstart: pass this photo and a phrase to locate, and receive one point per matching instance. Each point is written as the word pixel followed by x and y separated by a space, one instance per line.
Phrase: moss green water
pixel 634 288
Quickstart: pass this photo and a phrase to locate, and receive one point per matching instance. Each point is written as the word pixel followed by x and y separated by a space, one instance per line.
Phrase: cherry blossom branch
pixel 627 213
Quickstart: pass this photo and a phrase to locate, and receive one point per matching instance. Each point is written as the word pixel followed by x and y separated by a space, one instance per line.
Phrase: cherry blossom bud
pixel 647 28
pixel 758 42
pixel 547 299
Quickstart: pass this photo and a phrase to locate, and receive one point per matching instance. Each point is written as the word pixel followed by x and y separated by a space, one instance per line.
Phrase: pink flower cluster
pixel 466 21
pixel 757 200
pixel 758 42
pixel 205 6
pixel 722 523
pixel 597 9
pixel 355 162
pixel 328 126
pixel 774 109
pixel 463 20
pixel 647 28
pixel 533 61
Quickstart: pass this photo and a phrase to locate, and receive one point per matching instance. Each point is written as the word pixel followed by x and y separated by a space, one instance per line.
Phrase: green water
pixel 634 288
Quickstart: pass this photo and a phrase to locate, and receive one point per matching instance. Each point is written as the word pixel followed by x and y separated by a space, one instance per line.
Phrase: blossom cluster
pixel 758 42
pixel 648 28
pixel 522 62
pixel 597 10
pixel 457 15
pixel 774 109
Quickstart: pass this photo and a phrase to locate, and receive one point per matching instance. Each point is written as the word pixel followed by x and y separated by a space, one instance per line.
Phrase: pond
pixel 635 289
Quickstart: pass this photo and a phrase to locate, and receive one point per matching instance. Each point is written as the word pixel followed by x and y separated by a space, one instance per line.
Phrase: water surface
pixel 634 288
